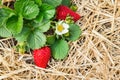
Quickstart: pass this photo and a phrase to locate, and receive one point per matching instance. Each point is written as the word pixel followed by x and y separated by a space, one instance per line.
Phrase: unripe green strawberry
pixel 74 7
pixel 42 56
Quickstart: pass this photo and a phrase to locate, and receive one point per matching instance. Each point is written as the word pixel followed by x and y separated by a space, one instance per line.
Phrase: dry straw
pixel 95 56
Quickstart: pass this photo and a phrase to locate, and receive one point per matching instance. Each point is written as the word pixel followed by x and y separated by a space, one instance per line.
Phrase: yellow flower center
pixel 60 28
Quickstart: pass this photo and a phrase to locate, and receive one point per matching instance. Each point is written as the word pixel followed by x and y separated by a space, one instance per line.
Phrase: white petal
pixel 60 22
pixel 65 25
pixel 65 31
pixel 58 33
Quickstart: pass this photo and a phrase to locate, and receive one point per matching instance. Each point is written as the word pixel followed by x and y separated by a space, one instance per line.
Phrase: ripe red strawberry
pixel 42 56
pixel 62 12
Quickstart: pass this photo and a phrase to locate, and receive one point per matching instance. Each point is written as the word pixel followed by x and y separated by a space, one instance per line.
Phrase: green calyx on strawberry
pixel 42 56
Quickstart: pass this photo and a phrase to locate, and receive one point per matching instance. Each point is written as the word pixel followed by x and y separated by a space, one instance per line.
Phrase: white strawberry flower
pixel 61 28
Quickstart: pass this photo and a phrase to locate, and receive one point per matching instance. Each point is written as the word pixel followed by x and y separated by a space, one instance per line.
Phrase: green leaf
pixel 15 24
pixel 43 26
pixel 31 10
pixel 54 3
pixel 60 49
pixel 47 11
pixel 21 37
pixel 19 5
pixel 5 13
pixel 0 2
pixel 66 2
pixel 27 8
pixel 39 18
pixel 4 32
pixel 39 2
pixel 75 32
pixel 36 39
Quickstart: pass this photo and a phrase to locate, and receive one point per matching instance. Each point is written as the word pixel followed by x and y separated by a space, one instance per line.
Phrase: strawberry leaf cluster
pixel 38 23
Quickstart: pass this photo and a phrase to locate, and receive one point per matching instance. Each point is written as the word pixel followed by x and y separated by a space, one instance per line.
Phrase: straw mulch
pixel 95 56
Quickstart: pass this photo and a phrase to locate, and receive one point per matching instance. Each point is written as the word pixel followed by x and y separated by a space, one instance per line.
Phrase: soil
pixel 9 4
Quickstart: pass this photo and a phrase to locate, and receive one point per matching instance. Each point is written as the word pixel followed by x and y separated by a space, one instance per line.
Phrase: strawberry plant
pixel 38 23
